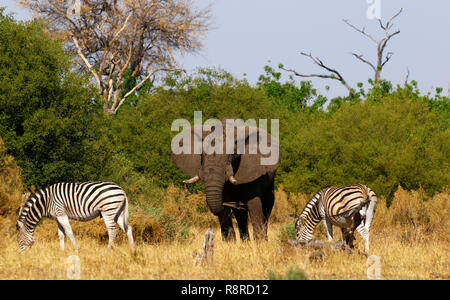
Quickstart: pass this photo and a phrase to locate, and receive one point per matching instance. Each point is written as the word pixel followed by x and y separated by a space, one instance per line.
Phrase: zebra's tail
pixel 123 209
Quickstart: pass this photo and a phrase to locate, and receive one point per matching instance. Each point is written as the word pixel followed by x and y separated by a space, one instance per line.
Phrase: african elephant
pixel 236 182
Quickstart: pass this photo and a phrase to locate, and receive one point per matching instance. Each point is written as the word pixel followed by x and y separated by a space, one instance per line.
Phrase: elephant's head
pixel 241 160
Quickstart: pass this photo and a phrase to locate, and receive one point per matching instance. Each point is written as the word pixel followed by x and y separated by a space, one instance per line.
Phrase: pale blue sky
pixel 248 33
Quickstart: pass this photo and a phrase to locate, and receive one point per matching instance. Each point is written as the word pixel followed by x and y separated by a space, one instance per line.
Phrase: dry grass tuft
pixel 414 216
pixel 11 185
pixel 287 204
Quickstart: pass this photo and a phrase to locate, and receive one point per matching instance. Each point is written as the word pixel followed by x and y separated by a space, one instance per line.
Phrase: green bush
pixel 383 144
pixel 293 273
pixel 287 232
pixel 46 108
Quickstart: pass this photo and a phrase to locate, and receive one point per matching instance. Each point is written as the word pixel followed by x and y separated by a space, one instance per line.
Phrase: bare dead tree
pixel 382 60
pixel 377 68
pixel 120 40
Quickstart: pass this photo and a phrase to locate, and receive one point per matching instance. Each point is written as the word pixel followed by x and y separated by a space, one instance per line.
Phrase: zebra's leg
pixel 365 235
pixel 111 227
pixel 348 237
pixel 344 235
pixel 329 229
pixel 61 236
pixel 64 222
pixel 127 229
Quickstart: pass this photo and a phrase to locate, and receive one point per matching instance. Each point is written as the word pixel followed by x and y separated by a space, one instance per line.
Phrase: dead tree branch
pixel 335 75
pixel 360 57
pixel 362 31
pixel 406 78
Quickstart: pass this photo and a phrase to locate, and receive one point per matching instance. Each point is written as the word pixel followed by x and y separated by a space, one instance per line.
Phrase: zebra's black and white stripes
pixel 78 201
pixel 349 207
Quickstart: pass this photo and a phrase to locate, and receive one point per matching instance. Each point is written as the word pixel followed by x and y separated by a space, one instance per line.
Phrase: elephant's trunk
pixel 214 192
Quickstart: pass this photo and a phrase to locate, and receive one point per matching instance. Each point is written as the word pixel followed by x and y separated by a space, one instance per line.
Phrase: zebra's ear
pixel 25 196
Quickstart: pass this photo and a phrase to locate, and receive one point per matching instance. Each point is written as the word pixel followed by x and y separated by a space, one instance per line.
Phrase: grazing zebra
pixel 349 207
pixel 77 201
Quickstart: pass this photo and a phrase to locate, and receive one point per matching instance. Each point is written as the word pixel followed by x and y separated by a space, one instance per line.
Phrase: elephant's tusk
pixel 233 180
pixel 192 180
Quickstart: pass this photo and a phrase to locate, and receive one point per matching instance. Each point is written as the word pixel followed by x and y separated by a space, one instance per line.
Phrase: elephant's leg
pixel 259 222
pixel 226 225
pixel 267 205
pixel 242 220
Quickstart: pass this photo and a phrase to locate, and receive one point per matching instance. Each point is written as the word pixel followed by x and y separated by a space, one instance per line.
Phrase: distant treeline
pixel 52 123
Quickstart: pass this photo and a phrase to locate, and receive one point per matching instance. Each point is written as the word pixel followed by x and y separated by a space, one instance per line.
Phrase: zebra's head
pixel 299 226
pixel 304 231
pixel 25 237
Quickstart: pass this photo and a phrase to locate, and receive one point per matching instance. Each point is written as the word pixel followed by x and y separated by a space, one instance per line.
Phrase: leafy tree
pixel 286 94
pixel 46 109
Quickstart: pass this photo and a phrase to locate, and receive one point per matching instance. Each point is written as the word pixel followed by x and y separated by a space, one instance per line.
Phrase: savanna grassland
pixel 411 243
pixel 53 128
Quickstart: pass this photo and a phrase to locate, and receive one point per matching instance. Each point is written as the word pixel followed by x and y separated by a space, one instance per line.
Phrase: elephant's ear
pixel 188 161
pixel 253 166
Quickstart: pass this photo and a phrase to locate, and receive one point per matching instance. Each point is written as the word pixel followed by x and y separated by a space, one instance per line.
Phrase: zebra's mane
pixel 26 207
pixel 313 202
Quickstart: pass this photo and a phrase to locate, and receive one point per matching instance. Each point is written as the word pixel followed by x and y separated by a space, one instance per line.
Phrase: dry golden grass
pixel 411 238
pixel 10 183
pixel 250 260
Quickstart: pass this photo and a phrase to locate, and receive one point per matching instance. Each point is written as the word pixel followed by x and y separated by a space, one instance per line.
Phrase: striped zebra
pixel 77 201
pixel 350 207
